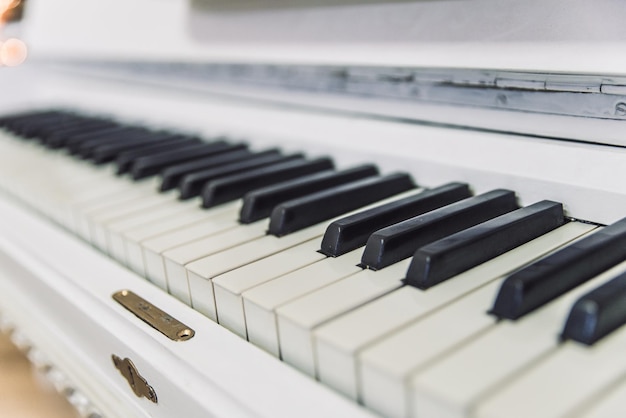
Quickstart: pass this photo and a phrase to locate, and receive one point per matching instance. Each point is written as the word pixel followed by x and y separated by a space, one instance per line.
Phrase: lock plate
pixel 153 316
pixel 138 384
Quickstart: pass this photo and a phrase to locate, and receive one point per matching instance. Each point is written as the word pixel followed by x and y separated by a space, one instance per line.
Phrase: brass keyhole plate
pixel 153 316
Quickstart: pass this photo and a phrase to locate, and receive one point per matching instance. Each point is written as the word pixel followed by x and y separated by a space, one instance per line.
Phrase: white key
pixel 228 287
pixel 459 381
pixel 119 197
pixel 260 303
pixel 176 259
pixel 567 380
pixel 339 341
pixel 611 404
pixel 201 272
pixel 135 236
pixel 384 366
pixel 116 229
pixel 298 319
pixel 153 248
pixel 99 220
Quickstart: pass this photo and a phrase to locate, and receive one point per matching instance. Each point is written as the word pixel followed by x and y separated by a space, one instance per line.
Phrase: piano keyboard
pixel 409 301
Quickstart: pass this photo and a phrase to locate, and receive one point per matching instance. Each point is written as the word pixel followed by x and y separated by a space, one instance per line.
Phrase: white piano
pixel 137 304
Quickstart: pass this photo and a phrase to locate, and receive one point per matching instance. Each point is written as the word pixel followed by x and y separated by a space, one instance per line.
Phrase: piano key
pixel 339 342
pixel 97 134
pixel 221 219
pixel 153 164
pixel 485 363
pixel 57 129
pixel 192 184
pixel 87 149
pixel 57 138
pixel 172 176
pixel 14 121
pixel 115 229
pixel 202 272
pixel 228 301
pixel 108 195
pixel 400 241
pixel 260 302
pixel 108 152
pixel 597 313
pixel 305 211
pixel 351 232
pixel 541 282
pixel 176 259
pixel 258 204
pixel 99 219
pixel 456 253
pixel 298 319
pixel 125 160
pixel 134 237
pixel 384 364
pixel 566 381
pixel 229 287
pixel 235 186
pixel 83 148
pixel 197 278
pixel 610 404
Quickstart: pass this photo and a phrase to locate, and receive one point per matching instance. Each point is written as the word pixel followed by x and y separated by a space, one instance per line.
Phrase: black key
pixel 172 176
pixel 258 204
pixel 29 128
pixel 300 213
pixel 59 140
pixel 598 313
pixel 148 166
pixel 126 159
pixel 436 262
pixel 10 120
pixel 14 123
pixel 191 185
pixel 233 187
pixel 56 136
pixel 38 128
pixel 109 152
pixel 85 145
pixel 397 242
pixel 552 276
pixel 352 232
pixel 87 148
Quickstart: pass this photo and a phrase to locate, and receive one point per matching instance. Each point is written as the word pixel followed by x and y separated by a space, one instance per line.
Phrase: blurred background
pixel 13 50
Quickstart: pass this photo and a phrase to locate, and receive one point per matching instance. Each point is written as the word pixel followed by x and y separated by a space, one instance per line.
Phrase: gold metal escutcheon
pixel 153 316
pixel 140 386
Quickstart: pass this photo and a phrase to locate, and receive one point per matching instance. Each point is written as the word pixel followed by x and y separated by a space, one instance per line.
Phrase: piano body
pixel 528 96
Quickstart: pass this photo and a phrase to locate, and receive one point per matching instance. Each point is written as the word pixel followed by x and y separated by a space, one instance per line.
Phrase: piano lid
pixel 564 36
pixel 549 68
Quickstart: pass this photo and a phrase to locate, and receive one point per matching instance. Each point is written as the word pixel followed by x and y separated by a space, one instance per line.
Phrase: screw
pixel 620 109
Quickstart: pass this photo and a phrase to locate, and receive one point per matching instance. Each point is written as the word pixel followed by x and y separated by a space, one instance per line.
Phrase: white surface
pixel 384 366
pixel 216 372
pixel 177 259
pixel 459 381
pixel 164 33
pixel 228 287
pixel 610 404
pixel 261 302
pixel 298 319
pixel 152 248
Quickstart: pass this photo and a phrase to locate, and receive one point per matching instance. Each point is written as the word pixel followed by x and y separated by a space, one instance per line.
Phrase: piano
pixel 353 208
